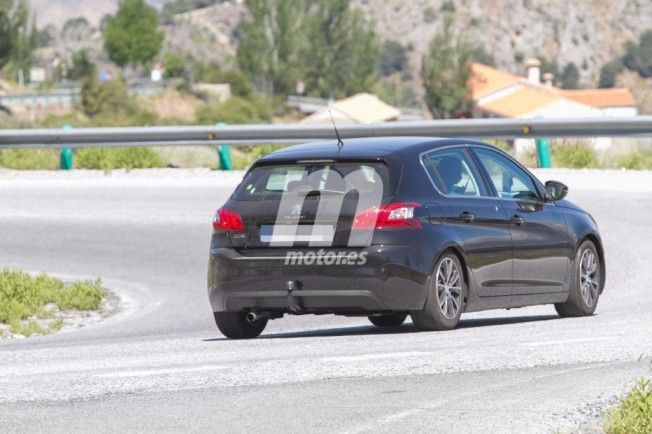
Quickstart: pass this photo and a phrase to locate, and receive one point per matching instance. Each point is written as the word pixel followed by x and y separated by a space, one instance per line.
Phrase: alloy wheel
pixel 449 288
pixel 589 277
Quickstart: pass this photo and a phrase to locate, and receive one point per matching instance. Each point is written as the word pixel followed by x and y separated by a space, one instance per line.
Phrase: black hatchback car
pixel 390 227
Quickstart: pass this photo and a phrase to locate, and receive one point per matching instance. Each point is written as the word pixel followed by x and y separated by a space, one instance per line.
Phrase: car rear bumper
pixel 392 278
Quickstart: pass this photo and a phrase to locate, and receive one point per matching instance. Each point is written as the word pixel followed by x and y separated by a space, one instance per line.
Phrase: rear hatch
pixel 307 204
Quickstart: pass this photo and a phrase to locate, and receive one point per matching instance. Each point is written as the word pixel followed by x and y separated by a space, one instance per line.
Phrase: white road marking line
pixel 568 341
pixel 375 356
pixel 164 371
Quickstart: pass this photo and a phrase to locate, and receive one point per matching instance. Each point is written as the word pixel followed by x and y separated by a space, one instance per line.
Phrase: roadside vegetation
pixel 633 415
pixel 574 156
pixel 31 305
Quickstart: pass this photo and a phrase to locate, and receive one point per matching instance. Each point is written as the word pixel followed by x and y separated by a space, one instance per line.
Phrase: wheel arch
pixel 458 252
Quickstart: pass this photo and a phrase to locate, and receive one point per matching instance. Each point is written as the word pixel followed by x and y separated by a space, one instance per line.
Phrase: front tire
pixel 234 325
pixel 586 283
pixel 389 320
pixel 446 296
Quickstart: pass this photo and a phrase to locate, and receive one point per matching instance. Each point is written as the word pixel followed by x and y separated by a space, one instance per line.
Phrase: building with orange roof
pixel 499 94
pixel 615 101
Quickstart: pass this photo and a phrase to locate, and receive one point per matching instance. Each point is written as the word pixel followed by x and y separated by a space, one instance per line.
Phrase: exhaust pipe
pixel 252 317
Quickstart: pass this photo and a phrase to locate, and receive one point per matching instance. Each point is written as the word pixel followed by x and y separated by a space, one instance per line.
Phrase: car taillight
pixel 227 220
pixel 393 215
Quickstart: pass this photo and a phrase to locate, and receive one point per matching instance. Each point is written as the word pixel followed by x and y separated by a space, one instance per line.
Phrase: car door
pixel 480 218
pixel 539 236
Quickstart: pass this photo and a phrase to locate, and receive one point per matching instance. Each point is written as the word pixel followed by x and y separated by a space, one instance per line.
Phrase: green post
pixel 224 153
pixel 543 153
pixel 66 157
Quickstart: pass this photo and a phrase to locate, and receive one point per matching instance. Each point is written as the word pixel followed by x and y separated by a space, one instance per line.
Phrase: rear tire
pixel 234 325
pixel 389 320
pixel 446 296
pixel 586 283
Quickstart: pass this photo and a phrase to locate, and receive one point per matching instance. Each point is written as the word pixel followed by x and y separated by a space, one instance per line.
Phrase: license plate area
pixel 288 235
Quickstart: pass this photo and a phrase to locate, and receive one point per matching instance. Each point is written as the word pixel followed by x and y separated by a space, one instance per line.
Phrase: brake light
pixel 394 215
pixel 227 220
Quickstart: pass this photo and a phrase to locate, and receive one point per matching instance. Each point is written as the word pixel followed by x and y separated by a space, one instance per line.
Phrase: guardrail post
pixel 224 153
pixel 66 157
pixel 543 153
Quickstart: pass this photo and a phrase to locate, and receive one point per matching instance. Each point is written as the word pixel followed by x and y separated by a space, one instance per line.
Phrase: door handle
pixel 467 217
pixel 517 220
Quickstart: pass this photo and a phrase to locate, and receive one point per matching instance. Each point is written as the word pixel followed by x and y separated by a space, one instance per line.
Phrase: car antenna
pixel 340 143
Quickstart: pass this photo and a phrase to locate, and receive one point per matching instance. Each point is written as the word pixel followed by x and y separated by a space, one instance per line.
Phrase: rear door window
pixel 454 173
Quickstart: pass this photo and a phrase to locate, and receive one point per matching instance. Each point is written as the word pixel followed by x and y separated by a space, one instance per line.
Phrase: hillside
pixel 586 32
pixel 57 12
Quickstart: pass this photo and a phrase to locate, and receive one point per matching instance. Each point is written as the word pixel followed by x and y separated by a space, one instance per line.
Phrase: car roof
pixel 361 148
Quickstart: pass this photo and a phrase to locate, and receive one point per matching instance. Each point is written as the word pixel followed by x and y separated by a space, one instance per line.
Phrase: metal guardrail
pixel 640 126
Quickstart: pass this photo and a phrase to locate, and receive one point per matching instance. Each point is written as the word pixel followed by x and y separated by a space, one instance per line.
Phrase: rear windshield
pixel 270 182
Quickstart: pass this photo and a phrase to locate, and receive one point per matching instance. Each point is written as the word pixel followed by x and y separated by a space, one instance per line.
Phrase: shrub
pixel 641 160
pixel 24 298
pixel 574 156
pixel 174 65
pixel 236 110
pixel 109 104
pixel 243 157
pixel 82 66
pixel 118 158
pixel 212 73
pixel 634 413
pixel 608 73
pixel 29 159
pixel 97 97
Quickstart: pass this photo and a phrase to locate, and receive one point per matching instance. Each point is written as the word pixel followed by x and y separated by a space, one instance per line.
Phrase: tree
pixel 481 55
pixel 270 43
pixel 570 76
pixel 608 73
pixel 132 35
pixel 392 58
pixel 325 43
pixel 445 71
pixel 16 36
pixel 638 57
pixel 549 66
pixel 82 66
pixel 341 52
pixel 76 30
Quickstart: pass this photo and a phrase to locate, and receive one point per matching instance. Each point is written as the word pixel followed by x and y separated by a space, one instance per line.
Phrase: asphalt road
pixel 161 365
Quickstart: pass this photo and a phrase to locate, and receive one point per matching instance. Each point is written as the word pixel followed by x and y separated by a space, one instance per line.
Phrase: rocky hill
pixel 588 33
pixel 57 12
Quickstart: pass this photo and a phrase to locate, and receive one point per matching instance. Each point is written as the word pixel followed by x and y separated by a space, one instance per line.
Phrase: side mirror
pixel 556 190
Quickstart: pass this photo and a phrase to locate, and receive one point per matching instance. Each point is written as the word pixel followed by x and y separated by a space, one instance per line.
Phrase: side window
pixel 453 173
pixel 509 179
